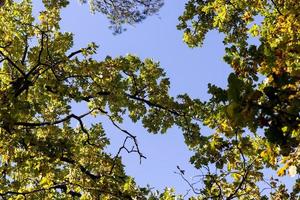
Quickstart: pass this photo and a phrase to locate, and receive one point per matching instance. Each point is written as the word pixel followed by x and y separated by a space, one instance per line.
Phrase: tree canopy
pixel 256 118
pixel 48 152
pixel 122 12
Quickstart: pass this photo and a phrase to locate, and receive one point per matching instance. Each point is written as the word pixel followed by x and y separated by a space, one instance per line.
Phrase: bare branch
pixel 133 137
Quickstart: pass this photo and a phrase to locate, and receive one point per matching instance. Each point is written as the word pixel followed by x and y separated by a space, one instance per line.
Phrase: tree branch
pixel 39 56
pixel 276 7
pixel 12 63
pixel 61 186
pixel 25 51
pixel 82 168
pixel 33 124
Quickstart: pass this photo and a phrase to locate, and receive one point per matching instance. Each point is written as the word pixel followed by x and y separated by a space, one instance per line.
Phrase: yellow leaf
pixel 281 171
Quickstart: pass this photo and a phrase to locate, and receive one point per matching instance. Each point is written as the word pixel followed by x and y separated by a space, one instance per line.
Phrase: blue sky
pixel 189 70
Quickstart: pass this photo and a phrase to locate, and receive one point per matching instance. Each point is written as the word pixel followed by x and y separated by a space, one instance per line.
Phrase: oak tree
pixel 47 151
pixel 122 12
pixel 255 119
